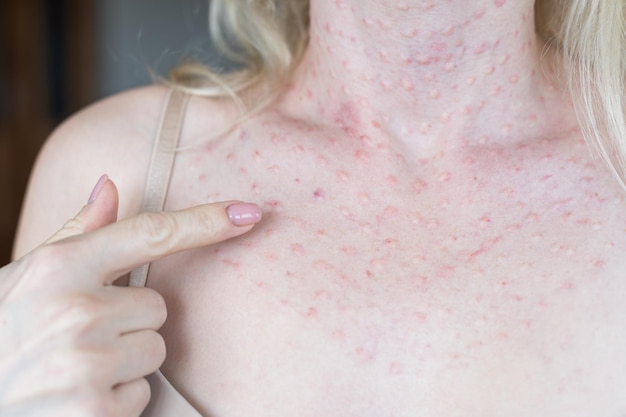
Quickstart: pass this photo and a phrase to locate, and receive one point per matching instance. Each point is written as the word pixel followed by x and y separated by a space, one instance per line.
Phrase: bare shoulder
pixel 114 137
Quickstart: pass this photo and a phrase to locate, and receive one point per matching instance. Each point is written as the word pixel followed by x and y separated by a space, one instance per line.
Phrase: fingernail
pixel 96 190
pixel 244 214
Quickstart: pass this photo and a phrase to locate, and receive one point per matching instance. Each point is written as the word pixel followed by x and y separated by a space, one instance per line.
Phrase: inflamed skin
pixel 437 240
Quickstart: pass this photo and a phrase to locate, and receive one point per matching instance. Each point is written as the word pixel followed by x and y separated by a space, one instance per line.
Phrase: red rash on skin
pixel 403 237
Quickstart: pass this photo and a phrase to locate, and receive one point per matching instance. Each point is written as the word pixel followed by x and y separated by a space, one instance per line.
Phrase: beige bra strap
pixel 161 165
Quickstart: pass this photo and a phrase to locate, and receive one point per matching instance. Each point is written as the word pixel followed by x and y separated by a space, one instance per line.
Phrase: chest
pixel 487 284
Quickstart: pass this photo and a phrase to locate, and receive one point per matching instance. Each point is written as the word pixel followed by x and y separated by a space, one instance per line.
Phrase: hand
pixel 72 344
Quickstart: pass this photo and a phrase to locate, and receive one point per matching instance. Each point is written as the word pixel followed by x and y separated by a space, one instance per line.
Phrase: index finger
pixel 117 249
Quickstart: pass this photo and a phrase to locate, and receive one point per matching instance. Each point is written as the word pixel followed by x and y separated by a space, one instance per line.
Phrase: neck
pixel 434 74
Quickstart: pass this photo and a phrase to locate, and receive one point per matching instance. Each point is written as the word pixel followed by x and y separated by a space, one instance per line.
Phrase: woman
pixel 437 238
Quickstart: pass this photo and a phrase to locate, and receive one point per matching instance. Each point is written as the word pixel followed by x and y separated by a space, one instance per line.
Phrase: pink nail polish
pixel 244 214
pixel 96 190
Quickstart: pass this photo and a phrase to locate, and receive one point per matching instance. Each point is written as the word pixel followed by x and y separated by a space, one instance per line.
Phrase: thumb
pixel 101 210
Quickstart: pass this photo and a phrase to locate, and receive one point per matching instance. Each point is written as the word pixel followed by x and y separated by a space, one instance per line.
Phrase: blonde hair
pixel 267 38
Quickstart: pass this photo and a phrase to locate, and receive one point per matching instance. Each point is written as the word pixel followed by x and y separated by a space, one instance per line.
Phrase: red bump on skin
pixel 395 368
pixel 361 155
pixel 297 249
pixel 480 49
pixel 391 211
pixel 311 313
pixel 275 204
pixel 349 251
pixel 599 263
pixel 499 3
pixel 230 263
pixel 480 13
pixel 364 198
pixel 318 194
pixel 343 176
pixel 323 295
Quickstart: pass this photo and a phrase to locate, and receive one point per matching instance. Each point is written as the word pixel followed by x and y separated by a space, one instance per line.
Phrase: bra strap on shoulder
pixel 161 165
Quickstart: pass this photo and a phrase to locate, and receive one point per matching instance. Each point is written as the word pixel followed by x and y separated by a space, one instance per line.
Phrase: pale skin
pixel 437 240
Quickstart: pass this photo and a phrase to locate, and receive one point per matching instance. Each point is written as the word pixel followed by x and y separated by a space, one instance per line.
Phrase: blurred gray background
pixel 134 35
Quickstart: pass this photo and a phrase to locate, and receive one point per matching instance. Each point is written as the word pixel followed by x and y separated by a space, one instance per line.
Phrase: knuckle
pixel 153 350
pixel 142 393
pixel 148 302
pixel 208 223
pixel 160 307
pixel 95 403
pixel 73 225
pixel 156 349
pixel 156 229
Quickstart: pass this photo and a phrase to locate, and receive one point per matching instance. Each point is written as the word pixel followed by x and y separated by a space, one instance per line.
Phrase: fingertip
pixel 97 188
pixel 102 205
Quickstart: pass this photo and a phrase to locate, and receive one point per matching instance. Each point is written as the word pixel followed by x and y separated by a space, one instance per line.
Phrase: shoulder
pixel 114 137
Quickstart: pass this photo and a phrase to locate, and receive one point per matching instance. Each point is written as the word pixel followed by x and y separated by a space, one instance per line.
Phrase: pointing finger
pixel 120 247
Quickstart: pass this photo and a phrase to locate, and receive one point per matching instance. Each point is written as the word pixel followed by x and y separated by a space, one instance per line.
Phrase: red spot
pixel 420 316
pixel 323 294
pixel 276 138
pixel 347 118
pixel 202 178
pixel 348 250
pixel 273 203
pixel 395 368
pixel 297 249
pixel 376 124
pixel 311 313
pixel 230 263
pixel 342 175
pixel 420 186
pixel 480 13
pixel 391 180
pixel 499 3
pixel 391 242
pixel 391 211
pixel 480 48
pixel 318 194
pixel 361 155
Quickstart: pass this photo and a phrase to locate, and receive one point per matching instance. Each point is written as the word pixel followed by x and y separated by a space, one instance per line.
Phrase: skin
pixel 437 239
